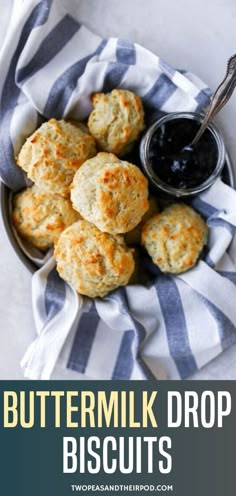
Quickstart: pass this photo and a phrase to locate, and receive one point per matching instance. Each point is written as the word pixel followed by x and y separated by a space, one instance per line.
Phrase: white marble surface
pixel 195 34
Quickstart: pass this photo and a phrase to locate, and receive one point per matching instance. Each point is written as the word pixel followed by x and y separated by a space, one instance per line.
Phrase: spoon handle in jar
pixel 220 97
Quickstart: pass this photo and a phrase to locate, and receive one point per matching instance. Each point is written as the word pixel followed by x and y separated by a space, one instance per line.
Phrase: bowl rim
pixel 6 220
pixel 161 185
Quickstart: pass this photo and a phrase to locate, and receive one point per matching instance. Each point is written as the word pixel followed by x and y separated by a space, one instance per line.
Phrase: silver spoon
pixel 218 100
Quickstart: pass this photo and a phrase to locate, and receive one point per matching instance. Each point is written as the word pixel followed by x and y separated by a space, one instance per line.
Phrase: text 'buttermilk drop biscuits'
pixel 93 262
pixel 175 238
pixel 54 152
pixel 117 120
pixel 40 218
pixel 110 193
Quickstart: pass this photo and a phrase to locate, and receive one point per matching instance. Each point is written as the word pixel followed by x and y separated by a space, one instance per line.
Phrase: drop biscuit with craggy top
pixel 116 121
pixel 40 217
pixel 110 193
pixel 93 262
pixel 175 238
pixel 54 152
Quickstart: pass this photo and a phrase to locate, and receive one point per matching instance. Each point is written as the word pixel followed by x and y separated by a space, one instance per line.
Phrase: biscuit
pixel 93 262
pixel 175 238
pixel 116 121
pixel 110 193
pixel 40 218
pixel 54 152
pixel 134 237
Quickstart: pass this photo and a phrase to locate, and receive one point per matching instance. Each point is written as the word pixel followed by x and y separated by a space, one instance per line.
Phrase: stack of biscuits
pixel 93 206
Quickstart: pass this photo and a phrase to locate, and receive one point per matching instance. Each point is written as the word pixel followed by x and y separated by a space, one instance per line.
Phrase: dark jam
pixel 175 166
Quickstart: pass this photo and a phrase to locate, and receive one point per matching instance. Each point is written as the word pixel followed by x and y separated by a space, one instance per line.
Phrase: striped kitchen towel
pixel 172 326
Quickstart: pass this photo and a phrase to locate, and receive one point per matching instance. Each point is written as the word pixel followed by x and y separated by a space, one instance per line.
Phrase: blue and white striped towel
pixel 50 64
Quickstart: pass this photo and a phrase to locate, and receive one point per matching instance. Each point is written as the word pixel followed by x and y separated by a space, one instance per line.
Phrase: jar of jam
pixel 172 165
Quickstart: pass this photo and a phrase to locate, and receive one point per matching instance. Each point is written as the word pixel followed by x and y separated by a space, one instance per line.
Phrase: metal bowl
pixel 5 193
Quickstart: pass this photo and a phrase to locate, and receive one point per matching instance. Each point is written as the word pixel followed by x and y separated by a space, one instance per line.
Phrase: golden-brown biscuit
pixel 94 263
pixel 117 120
pixel 40 218
pixel 54 152
pixel 110 193
pixel 175 238
pixel 134 237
